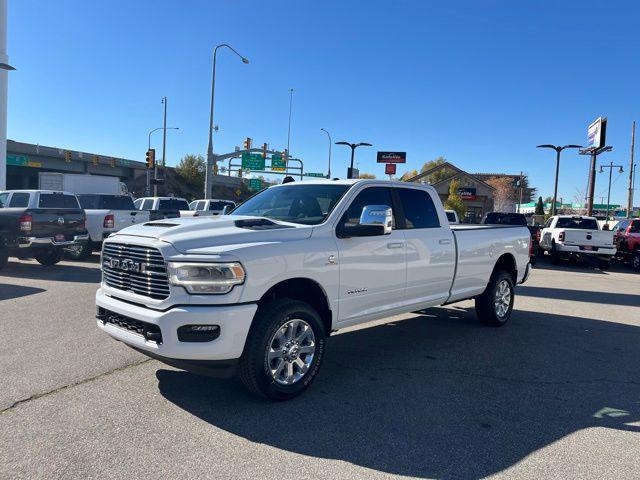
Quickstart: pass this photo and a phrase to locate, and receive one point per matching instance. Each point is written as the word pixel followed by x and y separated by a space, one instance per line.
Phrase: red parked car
pixel 626 236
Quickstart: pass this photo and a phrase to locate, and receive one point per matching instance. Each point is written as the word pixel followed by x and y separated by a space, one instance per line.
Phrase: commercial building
pixel 26 160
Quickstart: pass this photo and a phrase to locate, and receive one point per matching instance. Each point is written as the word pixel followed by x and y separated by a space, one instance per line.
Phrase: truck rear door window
pixel 57 200
pixel 19 200
pixel 419 210
pixel 579 223
pixel 3 199
pixel 147 204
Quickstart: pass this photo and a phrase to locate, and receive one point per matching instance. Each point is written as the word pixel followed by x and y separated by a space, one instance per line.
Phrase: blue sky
pixel 479 82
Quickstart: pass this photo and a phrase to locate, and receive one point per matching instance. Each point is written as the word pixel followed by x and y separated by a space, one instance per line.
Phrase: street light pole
pixel 330 142
pixel 611 166
pixel 289 131
pixel 353 147
pixel 558 149
pixel 208 179
pixel 149 148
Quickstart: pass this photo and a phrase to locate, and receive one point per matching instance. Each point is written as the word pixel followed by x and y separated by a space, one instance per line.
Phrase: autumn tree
pixel 191 169
pixel 504 194
pixel 367 175
pixel 454 201
pixel 407 175
pixel 437 176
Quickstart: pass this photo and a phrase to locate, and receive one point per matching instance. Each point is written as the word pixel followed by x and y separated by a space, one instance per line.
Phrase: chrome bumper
pixel 27 242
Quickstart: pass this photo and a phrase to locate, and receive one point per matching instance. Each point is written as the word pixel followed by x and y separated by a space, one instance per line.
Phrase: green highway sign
pixel 18 160
pixel 311 174
pixel 278 163
pixel 253 161
pixel 255 184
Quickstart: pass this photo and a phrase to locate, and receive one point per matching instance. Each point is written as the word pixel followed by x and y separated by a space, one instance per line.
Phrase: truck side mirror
pixel 375 220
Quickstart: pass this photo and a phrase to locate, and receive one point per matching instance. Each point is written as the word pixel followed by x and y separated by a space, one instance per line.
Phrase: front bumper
pixel 234 322
pixel 28 242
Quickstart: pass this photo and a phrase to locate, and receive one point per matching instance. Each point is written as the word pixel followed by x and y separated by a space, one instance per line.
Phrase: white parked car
pixel 207 208
pixel 565 236
pixel 106 214
pixel 452 216
pixel 257 293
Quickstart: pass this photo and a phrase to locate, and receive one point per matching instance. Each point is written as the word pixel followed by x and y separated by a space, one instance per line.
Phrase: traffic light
pixel 151 157
pixel 67 156
pixel 215 169
pixel 247 143
pixel 240 172
pixel 286 154
pixel 264 150
pixel 95 159
pixel 113 162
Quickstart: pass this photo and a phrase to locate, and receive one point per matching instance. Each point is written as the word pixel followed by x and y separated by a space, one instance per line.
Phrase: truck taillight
pixel 25 223
pixel 538 236
pixel 109 221
pixel 561 237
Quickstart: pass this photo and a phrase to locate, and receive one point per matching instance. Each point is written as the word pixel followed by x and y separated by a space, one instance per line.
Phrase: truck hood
pixel 218 234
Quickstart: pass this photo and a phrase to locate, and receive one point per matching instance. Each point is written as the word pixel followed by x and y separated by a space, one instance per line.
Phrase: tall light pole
pixel 330 142
pixel 611 166
pixel 208 176
pixel 631 171
pixel 558 149
pixel 353 147
pixel 289 131
pixel 4 80
pixel 159 128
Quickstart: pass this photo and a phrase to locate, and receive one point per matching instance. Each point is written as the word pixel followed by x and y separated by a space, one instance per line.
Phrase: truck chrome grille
pixel 136 269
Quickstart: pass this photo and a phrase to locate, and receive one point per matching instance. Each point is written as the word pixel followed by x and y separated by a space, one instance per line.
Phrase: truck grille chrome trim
pixel 136 269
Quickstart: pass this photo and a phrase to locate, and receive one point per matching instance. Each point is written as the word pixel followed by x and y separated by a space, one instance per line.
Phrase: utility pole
pixel 611 166
pixel 289 131
pixel 521 188
pixel 5 68
pixel 631 172
pixel 164 148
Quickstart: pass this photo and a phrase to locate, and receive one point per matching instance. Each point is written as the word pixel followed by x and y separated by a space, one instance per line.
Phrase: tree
pixel 191 169
pixel 539 207
pixel 504 194
pixel 548 200
pixel 454 201
pixel 367 175
pixel 437 176
pixel 407 175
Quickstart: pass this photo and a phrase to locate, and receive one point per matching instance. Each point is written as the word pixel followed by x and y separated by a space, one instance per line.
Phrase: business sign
pixel 467 193
pixel 390 169
pixel 278 163
pixel 252 161
pixel 597 133
pixel 392 157
pixel 255 184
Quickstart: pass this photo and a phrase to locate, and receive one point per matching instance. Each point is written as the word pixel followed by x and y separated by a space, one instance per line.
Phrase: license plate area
pixel 59 237
pixel 587 247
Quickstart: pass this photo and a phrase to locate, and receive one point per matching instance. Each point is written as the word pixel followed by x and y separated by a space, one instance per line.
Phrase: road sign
pixel 312 174
pixel 255 184
pixel 597 133
pixel 278 163
pixel 390 169
pixel 392 157
pixel 253 161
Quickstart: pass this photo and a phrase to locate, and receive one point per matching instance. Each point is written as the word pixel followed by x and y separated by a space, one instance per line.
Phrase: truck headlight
pixel 213 278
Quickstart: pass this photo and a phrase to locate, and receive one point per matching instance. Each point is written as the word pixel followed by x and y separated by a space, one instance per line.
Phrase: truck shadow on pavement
pixel 62 272
pixel 611 298
pixel 440 395
pixel 9 291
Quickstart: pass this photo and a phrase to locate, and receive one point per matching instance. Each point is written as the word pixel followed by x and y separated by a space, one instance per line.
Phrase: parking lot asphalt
pixel 555 394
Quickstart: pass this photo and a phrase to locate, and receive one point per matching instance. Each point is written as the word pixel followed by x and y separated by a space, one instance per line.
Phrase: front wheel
pixel 284 350
pixel 49 257
pixel 495 305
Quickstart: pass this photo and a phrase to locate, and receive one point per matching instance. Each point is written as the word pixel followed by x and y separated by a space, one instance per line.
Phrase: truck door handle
pixel 444 241
pixel 395 245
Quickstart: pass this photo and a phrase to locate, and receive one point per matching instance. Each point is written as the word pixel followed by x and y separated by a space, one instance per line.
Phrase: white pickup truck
pixel 565 236
pixel 105 214
pixel 258 292
pixel 208 208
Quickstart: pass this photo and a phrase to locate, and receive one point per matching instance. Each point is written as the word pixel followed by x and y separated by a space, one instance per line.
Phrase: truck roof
pixel 37 191
pixel 353 181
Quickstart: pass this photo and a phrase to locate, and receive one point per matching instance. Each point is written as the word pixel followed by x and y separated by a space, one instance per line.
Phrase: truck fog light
pixel 198 333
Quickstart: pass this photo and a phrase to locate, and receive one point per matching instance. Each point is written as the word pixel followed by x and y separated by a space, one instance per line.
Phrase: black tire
pixel 270 321
pixel 81 251
pixel 604 264
pixel 4 258
pixel 49 257
pixel 486 307
pixel 635 261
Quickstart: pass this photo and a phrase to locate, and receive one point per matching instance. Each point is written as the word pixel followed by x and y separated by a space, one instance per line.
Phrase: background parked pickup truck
pixel 38 224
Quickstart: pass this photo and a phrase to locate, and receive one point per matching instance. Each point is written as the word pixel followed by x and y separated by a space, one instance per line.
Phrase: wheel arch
pixel 506 263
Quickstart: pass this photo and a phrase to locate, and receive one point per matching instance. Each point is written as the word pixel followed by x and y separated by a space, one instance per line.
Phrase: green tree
pixel 437 176
pixel 539 207
pixel 407 175
pixel 191 169
pixel 454 201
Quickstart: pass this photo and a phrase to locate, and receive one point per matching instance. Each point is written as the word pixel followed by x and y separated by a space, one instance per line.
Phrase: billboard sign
pixel 597 133
pixel 392 157
pixel 390 169
pixel 467 193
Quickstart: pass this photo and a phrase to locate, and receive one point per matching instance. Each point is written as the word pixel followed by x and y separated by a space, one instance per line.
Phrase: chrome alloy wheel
pixel 291 351
pixel 502 300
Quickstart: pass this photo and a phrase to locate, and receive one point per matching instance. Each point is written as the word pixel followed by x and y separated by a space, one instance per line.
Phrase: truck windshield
pixel 305 204
pixel 108 202
pixel 577 222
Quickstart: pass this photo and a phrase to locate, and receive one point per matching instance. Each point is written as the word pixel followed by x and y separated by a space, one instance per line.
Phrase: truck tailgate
pixel 49 222
pixel 588 239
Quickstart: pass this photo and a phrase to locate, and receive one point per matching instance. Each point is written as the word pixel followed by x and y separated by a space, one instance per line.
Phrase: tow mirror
pixel 374 220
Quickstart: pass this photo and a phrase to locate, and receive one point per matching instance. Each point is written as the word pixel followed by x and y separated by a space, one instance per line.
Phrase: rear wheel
pixel 495 305
pixel 49 257
pixel 284 350
pixel 79 251
pixel 604 264
pixel 4 257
